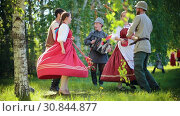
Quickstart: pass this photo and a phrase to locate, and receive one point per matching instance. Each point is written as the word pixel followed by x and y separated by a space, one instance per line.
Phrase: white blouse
pixel 127 51
pixel 116 33
pixel 54 26
pixel 63 32
pixel 118 29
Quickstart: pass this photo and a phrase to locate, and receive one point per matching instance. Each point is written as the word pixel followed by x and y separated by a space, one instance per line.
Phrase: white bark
pixel 85 3
pixel 20 59
pixel 75 10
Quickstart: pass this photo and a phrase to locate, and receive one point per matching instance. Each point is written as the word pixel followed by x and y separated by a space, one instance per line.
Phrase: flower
pixel 101 88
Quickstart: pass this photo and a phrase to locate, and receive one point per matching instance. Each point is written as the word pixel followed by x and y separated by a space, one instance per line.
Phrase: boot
pixel 55 84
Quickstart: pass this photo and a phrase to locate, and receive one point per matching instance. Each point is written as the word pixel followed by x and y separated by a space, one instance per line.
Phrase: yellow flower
pixel 101 88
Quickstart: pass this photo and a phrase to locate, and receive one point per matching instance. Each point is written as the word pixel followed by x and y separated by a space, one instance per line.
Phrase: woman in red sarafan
pixel 173 59
pixel 123 51
pixel 61 60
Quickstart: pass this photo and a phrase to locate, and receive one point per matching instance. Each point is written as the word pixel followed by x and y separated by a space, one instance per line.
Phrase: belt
pixel 140 39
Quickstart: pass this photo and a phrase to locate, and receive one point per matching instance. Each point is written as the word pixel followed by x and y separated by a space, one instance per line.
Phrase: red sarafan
pixel 110 72
pixel 52 63
pixel 173 59
pixel 178 53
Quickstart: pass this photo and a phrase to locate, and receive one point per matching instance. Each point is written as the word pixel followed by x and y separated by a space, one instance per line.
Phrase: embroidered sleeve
pixel 133 26
pixel 88 40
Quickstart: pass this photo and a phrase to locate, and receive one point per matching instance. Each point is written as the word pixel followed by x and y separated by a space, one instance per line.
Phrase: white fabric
pixel 127 51
pixel 117 33
pixel 53 27
pixel 118 29
pixel 63 32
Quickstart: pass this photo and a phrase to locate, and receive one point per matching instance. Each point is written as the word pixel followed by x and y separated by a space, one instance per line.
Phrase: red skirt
pixel 52 63
pixel 173 60
pixel 110 72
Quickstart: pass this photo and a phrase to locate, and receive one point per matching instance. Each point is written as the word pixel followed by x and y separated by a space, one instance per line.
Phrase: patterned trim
pixel 128 75
pixel 58 65
pixel 129 60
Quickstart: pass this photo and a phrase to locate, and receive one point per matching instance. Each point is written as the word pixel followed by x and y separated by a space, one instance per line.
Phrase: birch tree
pixel 19 45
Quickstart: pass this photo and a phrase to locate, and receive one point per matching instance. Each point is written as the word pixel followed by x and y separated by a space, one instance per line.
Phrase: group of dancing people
pixel 60 60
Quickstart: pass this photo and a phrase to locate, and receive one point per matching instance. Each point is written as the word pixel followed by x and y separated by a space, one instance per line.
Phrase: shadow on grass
pixel 53 95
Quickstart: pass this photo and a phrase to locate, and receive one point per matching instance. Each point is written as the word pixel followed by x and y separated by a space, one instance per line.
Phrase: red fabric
pixel 110 72
pixel 124 43
pixel 52 63
pixel 178 53
pixel 173 59
pixel 123 33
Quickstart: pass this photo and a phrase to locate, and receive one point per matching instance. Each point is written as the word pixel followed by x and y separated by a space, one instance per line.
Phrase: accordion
pixel 101 46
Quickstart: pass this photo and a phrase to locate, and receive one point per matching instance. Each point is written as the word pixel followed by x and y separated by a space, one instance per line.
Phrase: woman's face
pixel 68 19
pixel 124 17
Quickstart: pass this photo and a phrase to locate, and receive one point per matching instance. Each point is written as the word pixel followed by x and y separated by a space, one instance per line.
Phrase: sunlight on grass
pixel 83 89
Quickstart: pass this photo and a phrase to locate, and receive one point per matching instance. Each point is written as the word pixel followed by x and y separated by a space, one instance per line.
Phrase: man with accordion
pixel 99 49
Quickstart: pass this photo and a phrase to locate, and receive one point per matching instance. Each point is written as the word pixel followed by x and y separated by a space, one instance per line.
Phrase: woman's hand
pixel 134 38
pixel 63 51
pixel 118 39
pixel 123 41
pixel 73 38
pixel 109 50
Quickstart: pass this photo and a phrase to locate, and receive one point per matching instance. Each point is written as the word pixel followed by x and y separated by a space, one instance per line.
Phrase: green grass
pixel 82 89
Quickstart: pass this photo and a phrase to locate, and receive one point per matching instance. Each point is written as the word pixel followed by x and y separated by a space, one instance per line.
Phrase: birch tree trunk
pixel 20 59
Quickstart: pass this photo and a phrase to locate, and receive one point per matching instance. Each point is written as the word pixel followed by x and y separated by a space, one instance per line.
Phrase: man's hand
pixel 109 50
pixel 93 41
pixel 134 38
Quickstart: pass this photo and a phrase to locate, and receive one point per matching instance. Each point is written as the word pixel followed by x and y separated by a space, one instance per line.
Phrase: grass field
pixel 82 89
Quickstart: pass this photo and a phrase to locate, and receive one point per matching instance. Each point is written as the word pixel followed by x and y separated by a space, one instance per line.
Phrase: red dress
pixel 110 72
pixel 52 63
pixel 178 53
pixel 173 59
pixel 178 56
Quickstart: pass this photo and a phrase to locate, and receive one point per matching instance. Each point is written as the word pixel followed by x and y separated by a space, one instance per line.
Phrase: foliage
pixel 123 72
pixel 6 42
pixel 39 15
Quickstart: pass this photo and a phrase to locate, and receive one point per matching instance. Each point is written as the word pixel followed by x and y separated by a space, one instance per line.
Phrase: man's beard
pixel 138 12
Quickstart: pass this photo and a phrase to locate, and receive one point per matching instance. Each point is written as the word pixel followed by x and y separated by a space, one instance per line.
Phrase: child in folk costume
pixel 99 60
pixel 122 52
pixel 61 60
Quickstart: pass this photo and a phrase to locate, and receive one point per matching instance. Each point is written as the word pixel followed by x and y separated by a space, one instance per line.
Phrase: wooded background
pixel 39 14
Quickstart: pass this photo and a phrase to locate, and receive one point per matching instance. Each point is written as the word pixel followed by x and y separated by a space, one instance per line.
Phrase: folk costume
pixel 173 59
pixel 122 53
pixel 142 26
pixel 50 42
pixel 52 63
pixel 178 56
pixel 99 60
